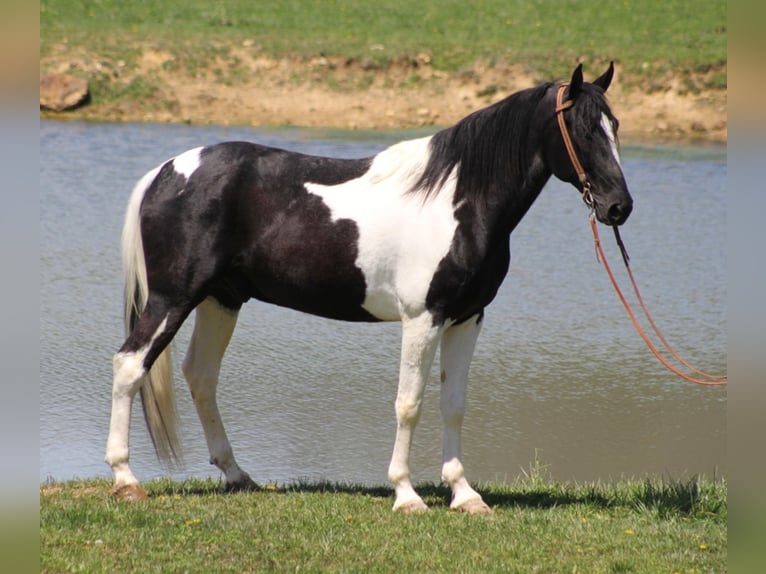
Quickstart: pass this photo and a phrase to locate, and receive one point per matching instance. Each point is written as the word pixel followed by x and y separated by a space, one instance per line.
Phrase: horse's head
pixel 590 159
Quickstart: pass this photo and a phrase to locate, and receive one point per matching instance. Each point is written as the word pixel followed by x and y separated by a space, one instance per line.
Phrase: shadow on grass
pixel 664 497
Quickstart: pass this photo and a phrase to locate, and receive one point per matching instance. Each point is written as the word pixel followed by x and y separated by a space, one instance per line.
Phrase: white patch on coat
pixel 129 366
pixel 606 125
pixel 188 162
pixel 402 237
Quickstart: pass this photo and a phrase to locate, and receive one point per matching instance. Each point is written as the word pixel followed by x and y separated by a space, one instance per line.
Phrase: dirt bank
pixel 246 89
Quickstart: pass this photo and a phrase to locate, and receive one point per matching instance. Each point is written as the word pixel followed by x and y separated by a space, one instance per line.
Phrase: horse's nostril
pixel 617 213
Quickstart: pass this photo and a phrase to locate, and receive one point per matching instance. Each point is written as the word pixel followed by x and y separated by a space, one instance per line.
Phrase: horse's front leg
pixel 419 341
pixel 457 346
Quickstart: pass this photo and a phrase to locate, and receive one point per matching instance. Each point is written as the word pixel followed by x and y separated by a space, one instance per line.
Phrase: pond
pixel 559 377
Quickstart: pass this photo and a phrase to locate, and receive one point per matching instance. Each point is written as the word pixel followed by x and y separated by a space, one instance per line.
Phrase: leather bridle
pixel 701 377
pixel 561 106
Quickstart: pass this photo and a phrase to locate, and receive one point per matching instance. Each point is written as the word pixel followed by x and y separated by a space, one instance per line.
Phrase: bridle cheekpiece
pixel 561 106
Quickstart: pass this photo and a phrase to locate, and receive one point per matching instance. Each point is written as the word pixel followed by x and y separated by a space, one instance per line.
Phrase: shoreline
pixel 346 94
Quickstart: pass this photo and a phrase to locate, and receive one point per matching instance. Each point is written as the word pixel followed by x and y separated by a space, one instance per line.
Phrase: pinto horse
pixel 419 233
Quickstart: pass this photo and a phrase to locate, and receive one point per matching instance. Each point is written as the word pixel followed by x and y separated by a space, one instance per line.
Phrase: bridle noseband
pixel 581 175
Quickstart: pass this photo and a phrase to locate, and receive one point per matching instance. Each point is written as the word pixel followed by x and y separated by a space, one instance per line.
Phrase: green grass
pixel 634 526
pixel 646 37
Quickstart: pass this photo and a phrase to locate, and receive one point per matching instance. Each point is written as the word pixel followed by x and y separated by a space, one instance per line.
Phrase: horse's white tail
pixel 157 398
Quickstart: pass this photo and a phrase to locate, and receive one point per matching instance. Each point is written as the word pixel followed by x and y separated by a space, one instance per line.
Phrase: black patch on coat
pixel 244 226
pixel 496 184
pixel 504 155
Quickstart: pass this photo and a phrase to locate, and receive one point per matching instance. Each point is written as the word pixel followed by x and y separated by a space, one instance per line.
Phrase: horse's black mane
pixel 490 145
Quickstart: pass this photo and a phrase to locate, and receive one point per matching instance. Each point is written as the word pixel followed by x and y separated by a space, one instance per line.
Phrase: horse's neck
pixel 519 197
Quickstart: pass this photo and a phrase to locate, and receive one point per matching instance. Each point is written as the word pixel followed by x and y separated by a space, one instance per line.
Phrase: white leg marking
pixel 606 125
pixel 188 162
pixel 392 221
pixel 419 341
pixel 213 327
pixel 457 347
pixel 129 372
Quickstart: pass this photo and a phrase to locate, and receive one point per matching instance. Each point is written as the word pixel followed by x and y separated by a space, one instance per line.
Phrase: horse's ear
pixel 605 79
pixel 575 84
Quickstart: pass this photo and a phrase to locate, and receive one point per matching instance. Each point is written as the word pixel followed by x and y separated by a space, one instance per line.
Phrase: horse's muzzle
pixel 618 213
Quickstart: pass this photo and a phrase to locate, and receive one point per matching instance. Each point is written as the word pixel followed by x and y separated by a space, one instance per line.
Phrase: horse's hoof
pixel 474 506
pixel 412 507
pixel 129 492
pixel 245 484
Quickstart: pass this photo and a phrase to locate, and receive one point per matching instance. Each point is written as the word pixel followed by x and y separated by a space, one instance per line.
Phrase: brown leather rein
pixel 701 378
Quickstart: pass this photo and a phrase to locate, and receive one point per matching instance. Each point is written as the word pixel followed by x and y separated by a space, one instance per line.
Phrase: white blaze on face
pixel 606 125
pixel 402 238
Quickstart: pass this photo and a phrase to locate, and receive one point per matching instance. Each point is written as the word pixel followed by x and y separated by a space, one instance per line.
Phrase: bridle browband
pixel 561 106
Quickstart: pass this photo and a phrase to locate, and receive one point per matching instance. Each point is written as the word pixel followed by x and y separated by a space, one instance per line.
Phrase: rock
pixel 59 92
pixel 698 127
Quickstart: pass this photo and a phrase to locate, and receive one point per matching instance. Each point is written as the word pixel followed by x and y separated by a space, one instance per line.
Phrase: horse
pixel 419 233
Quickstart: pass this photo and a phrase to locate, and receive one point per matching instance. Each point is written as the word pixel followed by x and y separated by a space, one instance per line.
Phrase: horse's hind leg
pixel 213 327
pixel 457 346
pixel 151 334
pixel 129 372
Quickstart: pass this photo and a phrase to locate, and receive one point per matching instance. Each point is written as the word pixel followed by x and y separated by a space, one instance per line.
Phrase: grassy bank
pixel 388 64
pixel 639 526
pixel 649 36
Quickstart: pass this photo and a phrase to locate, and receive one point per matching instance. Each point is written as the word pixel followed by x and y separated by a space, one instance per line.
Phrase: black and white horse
pixel 418 233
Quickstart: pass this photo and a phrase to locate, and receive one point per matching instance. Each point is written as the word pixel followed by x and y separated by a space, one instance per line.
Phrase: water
pixel 558 376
